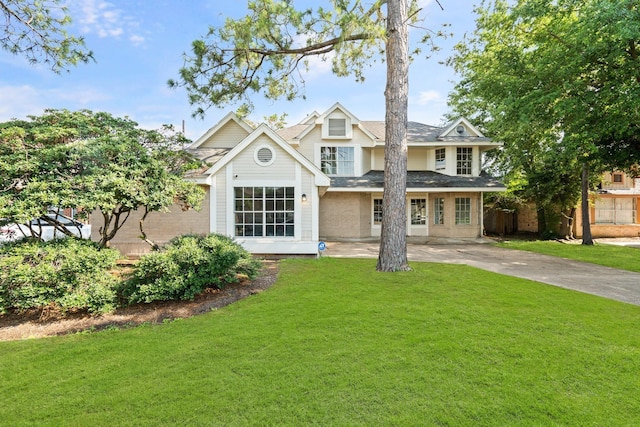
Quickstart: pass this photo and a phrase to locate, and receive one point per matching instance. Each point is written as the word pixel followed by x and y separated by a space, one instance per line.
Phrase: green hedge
pixel 186 266
pixel 68 273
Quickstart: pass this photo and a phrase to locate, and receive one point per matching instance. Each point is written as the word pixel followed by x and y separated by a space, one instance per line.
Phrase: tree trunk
pixel 587 239
pixel 541 215
pixel 393 241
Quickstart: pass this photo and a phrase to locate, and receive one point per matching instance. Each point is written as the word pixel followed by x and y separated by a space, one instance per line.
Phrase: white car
pixel 46 231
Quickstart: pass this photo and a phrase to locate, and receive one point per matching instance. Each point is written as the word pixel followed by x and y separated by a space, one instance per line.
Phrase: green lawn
pixel 334 343
pixel 602 254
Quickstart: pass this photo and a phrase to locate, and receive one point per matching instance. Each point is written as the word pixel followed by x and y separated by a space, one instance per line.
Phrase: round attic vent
pixel 461 130
pixel 264 155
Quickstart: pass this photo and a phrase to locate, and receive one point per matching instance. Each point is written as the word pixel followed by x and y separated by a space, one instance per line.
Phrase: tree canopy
pixel 558 83
pixel 267 52
pixel 91 162
pixel 37 30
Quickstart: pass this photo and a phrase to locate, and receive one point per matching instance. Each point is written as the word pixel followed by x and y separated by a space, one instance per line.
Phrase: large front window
pixel 463 210
pixel 337 160
pixel 463 164
pixel 264 211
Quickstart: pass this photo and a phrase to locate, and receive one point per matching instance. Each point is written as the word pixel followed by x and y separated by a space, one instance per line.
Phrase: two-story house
pixel 614 208
pixel 322 179
pixel 444 179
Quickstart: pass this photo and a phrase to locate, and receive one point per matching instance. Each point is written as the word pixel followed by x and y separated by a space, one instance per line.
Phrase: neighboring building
pixel 614 208
pixel 613 212
pixel 322 179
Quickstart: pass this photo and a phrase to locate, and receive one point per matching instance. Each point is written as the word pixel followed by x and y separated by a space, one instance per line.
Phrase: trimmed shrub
pixel 188 265
pixel 68 273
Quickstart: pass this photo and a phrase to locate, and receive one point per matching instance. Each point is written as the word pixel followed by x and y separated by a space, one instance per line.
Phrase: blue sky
pixel 139 45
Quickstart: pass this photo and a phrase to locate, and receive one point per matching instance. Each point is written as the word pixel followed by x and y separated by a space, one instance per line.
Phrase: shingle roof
pixel 416 132
pixel 209 155
pixel 419 179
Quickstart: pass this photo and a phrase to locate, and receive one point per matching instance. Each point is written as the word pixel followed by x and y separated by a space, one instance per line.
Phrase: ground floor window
pixel 418 211
pixel 438 211
pixel 615 210
pixel 377 211
pixel 264 211
pixel 463 210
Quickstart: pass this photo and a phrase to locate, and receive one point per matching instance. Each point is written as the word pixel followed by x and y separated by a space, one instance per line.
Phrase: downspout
pixel 481 213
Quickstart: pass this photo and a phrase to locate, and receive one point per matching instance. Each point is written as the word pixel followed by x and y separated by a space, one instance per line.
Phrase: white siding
pixel 227 137
pixel 245 167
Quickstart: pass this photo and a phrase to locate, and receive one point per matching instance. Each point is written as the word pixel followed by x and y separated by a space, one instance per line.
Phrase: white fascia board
pixel 200 180
pixel 458 190
pixel 419 190
pixel 455 123
pixel 213 130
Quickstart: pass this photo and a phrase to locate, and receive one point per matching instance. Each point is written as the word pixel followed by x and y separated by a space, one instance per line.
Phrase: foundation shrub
pixel 188 265
pixel 70 274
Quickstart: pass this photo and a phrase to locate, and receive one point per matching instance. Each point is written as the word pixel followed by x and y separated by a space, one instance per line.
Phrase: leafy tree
pixel 264 51
pixel 37 30
pixel 92 161
pixel 555 81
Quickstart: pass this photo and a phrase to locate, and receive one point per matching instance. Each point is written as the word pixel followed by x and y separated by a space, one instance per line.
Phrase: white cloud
pixel 19 101
pixel 429 97
pixel 136 40
pixel 105 20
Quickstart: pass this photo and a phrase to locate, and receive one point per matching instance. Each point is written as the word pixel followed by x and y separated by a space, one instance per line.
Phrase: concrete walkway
pixel 606 282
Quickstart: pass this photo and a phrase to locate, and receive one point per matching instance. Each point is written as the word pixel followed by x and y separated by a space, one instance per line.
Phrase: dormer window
pixel 337 128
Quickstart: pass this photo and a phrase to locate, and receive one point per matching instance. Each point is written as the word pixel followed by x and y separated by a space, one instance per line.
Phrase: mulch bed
pixel 49 322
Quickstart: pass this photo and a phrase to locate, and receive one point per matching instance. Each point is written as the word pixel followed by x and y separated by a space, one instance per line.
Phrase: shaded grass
pixel 602 254
pixel 335 343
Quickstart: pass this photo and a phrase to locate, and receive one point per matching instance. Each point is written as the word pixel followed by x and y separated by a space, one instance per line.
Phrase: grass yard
pixel 602 254
pixel 334 343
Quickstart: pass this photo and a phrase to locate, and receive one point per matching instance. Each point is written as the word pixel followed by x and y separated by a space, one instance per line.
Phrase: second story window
pixel 337 161
pixel 441 160
pixel 463 161
pixel 337 127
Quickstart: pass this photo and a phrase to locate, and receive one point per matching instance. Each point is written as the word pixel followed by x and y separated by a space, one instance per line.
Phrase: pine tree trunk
pixel 393 241
pixel 587 239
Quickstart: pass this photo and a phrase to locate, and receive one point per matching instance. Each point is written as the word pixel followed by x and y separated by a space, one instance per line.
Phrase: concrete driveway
pixel 606 282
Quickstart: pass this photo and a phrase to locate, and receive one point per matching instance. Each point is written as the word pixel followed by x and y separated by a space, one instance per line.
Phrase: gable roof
pixel 321 179
pixel 295 133
pixel 222 123
pixel 449 130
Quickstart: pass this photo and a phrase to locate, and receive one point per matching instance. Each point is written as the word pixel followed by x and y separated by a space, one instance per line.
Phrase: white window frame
pixel 281 214
pixel 422 219
pixel 464 161
pixel 463 211
pixel 339 171
pixel 348 128
pixel 441 159
pixel 376 211
pixel 438 211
